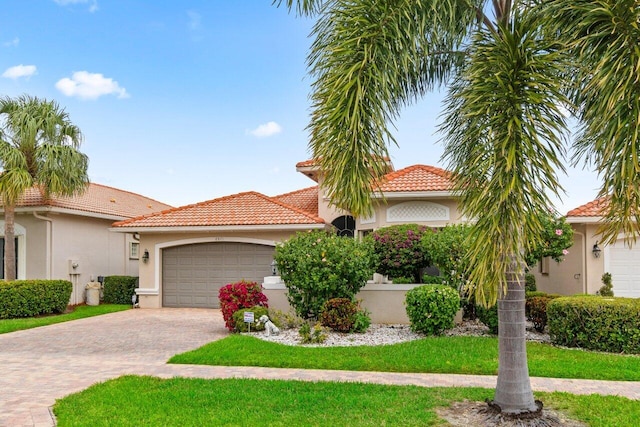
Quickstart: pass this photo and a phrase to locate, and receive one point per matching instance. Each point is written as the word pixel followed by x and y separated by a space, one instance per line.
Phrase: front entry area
pixel 193 274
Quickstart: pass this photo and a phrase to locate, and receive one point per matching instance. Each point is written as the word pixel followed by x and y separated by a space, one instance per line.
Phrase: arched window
pixel 345 225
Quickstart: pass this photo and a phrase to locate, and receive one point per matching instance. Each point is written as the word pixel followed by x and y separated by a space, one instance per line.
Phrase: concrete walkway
pixel 38 366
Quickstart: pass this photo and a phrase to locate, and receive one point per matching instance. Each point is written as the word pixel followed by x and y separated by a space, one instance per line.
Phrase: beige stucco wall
pixel 381 217
pixel 88 241
pixel 580 272
pixel 150 292
pixel 386 303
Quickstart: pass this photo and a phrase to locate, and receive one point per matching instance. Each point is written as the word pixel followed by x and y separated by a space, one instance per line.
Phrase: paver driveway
pixel 37 366
pixel 40 365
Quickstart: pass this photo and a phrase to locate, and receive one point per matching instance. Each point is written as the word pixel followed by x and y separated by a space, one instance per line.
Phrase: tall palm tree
pixel 513 69
pixel 39 146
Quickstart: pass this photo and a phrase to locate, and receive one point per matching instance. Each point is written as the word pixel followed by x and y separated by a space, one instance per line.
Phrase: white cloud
pixel 267 129
pixel 12 43
pixel 195 20
pixel 194 25
pixel 19 71
pixel 87 85
pixel 93 4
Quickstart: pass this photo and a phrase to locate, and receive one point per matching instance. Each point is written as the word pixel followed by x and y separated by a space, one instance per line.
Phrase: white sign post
pixel 248 318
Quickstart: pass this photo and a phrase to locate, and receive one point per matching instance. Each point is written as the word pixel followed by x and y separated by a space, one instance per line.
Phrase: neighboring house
pixel 588 259
pixel 69 238
pixel 196 249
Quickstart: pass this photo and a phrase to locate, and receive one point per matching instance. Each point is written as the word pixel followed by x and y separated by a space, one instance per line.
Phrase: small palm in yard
pixel 512 66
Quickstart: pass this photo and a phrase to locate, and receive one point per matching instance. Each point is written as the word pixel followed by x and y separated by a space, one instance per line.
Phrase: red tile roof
pixel 591 209
pixel 417 178
pixel 98 199
pixel 243 209
pixel 305 199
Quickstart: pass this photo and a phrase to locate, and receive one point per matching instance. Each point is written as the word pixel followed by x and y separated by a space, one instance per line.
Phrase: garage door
pixel 193 274
pixel 624 266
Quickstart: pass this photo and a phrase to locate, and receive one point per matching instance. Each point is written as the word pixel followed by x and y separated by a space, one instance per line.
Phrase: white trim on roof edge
pixel 584 219
pixel 68 211
pixel 413 194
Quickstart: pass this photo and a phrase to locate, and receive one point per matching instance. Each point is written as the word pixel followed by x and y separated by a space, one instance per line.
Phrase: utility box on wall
pixel 74 267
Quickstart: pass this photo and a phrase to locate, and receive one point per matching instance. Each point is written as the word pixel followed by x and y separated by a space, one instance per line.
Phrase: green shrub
pixel 530 283
pixel 339 314
pixel 317 266
pixel 529 295
pixel 557 237
pixel 403 280
pixel 607 287
pixel 489 317
pixel 427 279
pixel 432 308
pixel 241 326
pixel 595 323
pixel 28 298
pixel 362 321
pixel 119 289
pixel 282 320
pixel 536 309
pixel 399 251
pixel 239 295
pixel 448 248
pixel 312 335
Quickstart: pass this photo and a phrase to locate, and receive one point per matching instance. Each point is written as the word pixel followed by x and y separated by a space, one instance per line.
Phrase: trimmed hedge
pixel 119 289
pixel 432 308
pixel 595 323
pixel 28 298
pixel 536 308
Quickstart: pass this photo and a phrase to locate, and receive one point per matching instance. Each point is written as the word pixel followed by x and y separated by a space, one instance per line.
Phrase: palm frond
pixel 504 142
pixel 604 37
pixel 369 59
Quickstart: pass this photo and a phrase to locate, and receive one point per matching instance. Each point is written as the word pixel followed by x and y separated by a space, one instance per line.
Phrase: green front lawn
pixel 80 312
pixel 136 401
pixel 453 355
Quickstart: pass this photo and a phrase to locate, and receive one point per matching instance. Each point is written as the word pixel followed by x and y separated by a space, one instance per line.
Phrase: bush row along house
pixel 184 255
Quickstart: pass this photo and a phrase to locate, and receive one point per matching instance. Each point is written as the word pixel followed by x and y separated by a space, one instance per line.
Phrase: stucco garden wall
pixel 384 301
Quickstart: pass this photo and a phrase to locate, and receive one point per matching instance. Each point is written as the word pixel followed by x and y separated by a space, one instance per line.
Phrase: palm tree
pixel 513 68
pixel 38 147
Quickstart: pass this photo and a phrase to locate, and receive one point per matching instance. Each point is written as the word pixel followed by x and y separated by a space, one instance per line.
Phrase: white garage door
pixel 192 275
pixel 624 266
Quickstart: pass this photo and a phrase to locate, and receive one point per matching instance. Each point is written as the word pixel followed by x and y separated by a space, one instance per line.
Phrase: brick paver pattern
pixel 40 365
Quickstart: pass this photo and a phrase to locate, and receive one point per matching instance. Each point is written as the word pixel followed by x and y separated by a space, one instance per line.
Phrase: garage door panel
pixel 192 275
pixel 624 265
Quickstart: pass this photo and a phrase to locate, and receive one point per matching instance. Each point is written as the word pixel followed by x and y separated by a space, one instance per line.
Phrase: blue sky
pixel 191 100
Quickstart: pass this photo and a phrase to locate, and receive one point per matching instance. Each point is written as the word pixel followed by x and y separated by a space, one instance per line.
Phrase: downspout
pixel 49 244
pixel 584 264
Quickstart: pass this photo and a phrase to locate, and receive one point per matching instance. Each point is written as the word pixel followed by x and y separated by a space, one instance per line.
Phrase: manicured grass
pixel 135 401
pixel 80 312
pixel 454 355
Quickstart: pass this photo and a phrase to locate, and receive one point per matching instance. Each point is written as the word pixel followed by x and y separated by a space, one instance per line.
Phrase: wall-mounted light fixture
pixel 274 268
pixel 145 256
pixel 596 250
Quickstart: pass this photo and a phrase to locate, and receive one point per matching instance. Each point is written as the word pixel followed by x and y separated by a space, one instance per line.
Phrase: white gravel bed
pixel 382 334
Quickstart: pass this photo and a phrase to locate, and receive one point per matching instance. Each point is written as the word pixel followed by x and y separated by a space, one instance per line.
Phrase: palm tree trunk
pixel 9 242
pixel 513 391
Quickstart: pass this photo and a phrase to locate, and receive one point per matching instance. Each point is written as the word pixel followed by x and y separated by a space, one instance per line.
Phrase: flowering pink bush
pixel 239 295
pixel 399 250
